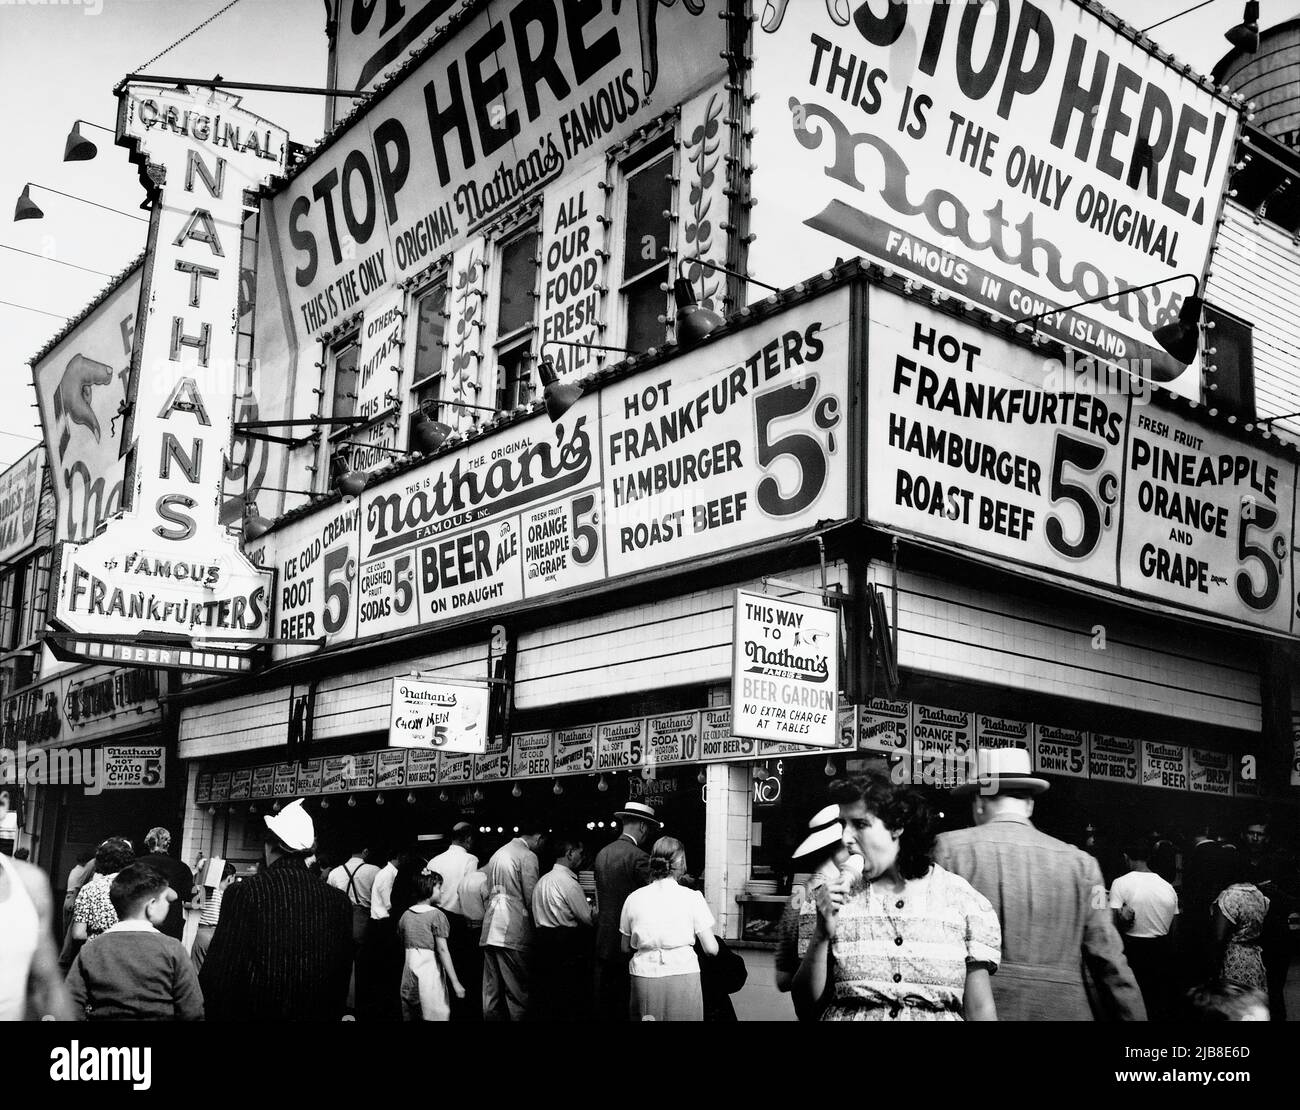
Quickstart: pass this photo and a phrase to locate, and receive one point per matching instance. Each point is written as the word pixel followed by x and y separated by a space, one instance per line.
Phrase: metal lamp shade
pixel 559 396
pixel 693 321
pixel 1182 338
pixel 26 208
pixel 78 148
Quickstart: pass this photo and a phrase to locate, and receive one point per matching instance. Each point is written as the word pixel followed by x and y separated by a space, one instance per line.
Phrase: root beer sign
pixel 985 445
pixel 1022 154
pixel 168 566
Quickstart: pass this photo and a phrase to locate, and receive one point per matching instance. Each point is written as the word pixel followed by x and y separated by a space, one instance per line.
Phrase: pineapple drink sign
pixel 167 565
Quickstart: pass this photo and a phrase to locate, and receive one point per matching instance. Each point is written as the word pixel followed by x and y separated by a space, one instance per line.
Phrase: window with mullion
pixel 429 374
pixel 516 312
pixel 647 238
pixel 343 400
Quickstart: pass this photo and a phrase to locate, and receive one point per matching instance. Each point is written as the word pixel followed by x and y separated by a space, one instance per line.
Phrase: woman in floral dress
pixel 908 941
pixel 1236 920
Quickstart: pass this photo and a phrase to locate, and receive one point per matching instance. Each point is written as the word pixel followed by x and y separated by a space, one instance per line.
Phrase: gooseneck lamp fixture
pixel 28 209
pixel 79 147
pixel 1181 337
pixel 694 322
pixel 1245 35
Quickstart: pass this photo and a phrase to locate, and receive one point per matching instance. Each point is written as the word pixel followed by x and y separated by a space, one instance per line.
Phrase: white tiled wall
pixel 677 642
pixel 950 629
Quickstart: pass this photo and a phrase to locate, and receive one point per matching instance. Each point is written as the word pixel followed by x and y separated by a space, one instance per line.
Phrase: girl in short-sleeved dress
pixel 428 975
pixel 904 955
pixel 1243 905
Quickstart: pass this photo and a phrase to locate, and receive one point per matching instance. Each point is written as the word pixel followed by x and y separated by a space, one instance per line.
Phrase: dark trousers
pixel 561 974
pixel 613 988
pixel 1151 959
pixel 467 959
pixel 379 973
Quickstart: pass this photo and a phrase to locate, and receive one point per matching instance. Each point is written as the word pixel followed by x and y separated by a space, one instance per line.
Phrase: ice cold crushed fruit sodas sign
pixel 785 671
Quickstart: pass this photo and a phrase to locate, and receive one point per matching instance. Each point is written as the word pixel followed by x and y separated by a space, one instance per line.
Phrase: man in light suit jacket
pixel 621 867
pixel 1050 899
pixel 508 925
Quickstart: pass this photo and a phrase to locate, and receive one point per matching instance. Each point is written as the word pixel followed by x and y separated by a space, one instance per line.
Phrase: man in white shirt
pixel 472 895
pixel 563 939
pixel 453 865
pixel 356 878
pixel 1146 913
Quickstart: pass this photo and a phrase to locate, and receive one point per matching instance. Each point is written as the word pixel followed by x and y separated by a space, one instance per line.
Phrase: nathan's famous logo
pixel 536 472
pixel 790 662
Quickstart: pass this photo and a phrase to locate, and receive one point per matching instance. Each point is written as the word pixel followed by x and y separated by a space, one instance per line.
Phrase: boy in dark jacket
pixel 132 972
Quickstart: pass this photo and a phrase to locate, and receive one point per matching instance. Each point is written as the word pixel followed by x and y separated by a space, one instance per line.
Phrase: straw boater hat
pixel 639 811
pixel 827 828
pixel 293 827
pixel 1003 769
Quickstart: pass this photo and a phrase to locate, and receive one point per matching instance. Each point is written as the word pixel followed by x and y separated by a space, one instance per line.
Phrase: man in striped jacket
pixel 283 948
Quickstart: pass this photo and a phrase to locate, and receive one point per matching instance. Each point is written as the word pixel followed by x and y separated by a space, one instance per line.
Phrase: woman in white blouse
pixel 660 924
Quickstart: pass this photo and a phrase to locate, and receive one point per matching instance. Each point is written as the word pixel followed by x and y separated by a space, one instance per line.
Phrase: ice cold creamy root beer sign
pixel 168 566
pixel 1021 155
pixel 785 671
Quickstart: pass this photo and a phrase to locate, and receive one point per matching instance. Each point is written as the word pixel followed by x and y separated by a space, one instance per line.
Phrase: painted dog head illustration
pixel 73 395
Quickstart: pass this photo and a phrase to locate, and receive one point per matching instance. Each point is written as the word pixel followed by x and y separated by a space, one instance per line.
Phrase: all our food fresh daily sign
pixel 1025 155
pixel 168 565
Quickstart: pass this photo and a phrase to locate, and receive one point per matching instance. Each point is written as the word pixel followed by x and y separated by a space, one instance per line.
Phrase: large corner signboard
pixel 1021 155
pixel 520 96
pixel 972 444
pixel 736 443
pixel 167 567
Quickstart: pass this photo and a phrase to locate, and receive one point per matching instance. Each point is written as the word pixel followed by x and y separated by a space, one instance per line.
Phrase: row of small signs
pixel 635 744
pixel 937 740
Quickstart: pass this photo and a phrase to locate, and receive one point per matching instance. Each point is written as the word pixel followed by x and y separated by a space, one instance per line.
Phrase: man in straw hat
pixel 621 867
pixel 283 949
pixel 1050 899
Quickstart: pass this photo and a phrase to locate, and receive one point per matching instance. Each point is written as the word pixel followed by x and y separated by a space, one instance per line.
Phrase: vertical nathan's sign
pixel 785 671
pixel 168 566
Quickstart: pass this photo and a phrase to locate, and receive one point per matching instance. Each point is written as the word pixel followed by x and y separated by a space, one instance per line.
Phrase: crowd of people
pixel 999 921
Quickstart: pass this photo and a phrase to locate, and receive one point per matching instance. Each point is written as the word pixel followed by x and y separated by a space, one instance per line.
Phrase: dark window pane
pixel 512 378
pixel 1235 362
pixel 345 382
pixel 430 331
pixel 518 282
pixel 646 302
pixel 649 196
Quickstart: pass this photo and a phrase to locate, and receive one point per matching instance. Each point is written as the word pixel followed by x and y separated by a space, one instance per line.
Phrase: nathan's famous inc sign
pixel 971 443
pixel 1022 155
pixel 516 97
pixel 20 496
pixel 737 443
pixel 168 566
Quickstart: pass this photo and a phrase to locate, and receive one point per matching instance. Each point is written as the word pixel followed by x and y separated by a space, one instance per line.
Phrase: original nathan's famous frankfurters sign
pixel 1023 155
pixel 167 566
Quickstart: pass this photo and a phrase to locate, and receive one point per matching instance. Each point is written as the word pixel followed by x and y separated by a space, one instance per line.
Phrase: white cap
pixel 293 827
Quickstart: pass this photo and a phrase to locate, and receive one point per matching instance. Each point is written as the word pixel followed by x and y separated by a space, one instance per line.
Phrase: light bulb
pixel 516 791
pixel 601 784
pixel 557 789
pixel 478 794
pixel 275 807
pixel 252 808
pixel 443 796
pixel 379 799
pixel 212 810
pixel 829 768
pixel 324 803
pixel 410 798
pixel 352 802
pixel 500 829
pixel 702 777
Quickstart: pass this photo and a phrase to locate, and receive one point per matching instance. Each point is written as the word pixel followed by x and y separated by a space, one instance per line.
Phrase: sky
pixel 59 61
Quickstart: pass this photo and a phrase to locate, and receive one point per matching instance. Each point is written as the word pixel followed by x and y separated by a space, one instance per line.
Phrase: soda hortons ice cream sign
pixel 167 565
